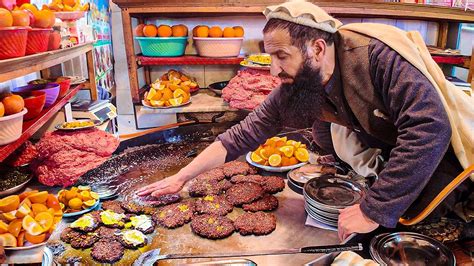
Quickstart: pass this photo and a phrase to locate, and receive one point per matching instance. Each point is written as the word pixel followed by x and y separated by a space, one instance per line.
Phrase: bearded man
pixel 355 81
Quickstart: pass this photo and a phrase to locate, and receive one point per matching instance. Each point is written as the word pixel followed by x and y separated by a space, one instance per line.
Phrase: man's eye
pixel 281 56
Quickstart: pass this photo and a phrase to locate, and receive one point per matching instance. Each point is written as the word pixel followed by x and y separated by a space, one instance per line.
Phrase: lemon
pixel 176 101
pixel 274 160
pixel 256 158
pixel 302 154
pixel 287 150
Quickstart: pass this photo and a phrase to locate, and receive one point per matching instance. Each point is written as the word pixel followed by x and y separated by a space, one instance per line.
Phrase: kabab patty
pixel 112 219
pixel 143 223
pixel 86 223
pixel 131 207
pixel 202 187
pixel 216 174
pixel 242 193
pixel 107 251
pixel 217 205
pixel 257 223
pixel 271 184
pixel 174 215
pixel 107 233
pixel 84 240
pixel 112 205
pixel 267 203
pixel 212 226
pixel 133 239
pixel 159 201
pixel 69 234
pixel 238 168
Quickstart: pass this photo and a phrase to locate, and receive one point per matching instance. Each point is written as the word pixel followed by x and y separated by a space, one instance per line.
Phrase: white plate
pixel 253 66
pixel 271 168
pixel 258 63
pixel 164 107
pixel 60 126
pixel 26 247
pixel 73 214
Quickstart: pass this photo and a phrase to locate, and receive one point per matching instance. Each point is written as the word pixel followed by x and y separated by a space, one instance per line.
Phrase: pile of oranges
pixel 203 31
pixel 11 104
pixel 151 30
pixel 77 198
pixel 67 6
pixel 31 216
pixel 27 15
pixel 172 89
pixel 279 152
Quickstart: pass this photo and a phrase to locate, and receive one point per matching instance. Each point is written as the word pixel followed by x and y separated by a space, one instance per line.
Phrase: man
pixel 357 82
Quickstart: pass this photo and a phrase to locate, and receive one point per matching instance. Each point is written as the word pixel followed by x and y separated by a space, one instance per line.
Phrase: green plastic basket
pixel 162 46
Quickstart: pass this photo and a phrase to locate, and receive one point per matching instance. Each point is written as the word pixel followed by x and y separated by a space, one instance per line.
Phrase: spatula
pixel 150 257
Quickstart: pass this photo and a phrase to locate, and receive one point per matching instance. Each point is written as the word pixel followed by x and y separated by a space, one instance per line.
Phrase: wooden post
pixel 443 34
pixel 470 75
pixel 130 51
pixel 91 71
pixel 147 74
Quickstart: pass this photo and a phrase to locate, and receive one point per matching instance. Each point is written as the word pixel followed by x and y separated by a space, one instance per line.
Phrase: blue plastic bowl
pixel 162 46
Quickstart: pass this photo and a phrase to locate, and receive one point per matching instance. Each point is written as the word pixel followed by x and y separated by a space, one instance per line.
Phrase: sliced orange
pixel 55 212
pixel 82 188
pixel 287 150
pixel 9 216
pixel 293 161
pixel 27 202
pixel 302 154
pixel 25 194
pixel 51 211
pixel 8 240
pixel 20 240
pixel 176 101
pixel 70 195
pixel 89 203
pixel 14 227
pixel 38 207
pixel 94 195
pixel 280 143
pixel 35 239
pixel 157 96
pixel 179 93
pixel 53 202
pixel 39 197
pixel 264 154
pixel 9 203
pixel 23 211
pixel 151 94
pixel 75 204
pixel 45 219
pixel 302 146
pixel 86 195
pixel 157 103
pixel 256 158
pixel 274 160
pixel 293 143
pixel 270 142
pixel 285 161
pixel 31 226
pixel 3 227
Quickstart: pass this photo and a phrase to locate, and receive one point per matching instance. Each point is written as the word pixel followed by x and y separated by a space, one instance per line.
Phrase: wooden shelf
pixel 367 9
pixel 21 66
pixel 457 60
pixel 30 127
pixel 187 60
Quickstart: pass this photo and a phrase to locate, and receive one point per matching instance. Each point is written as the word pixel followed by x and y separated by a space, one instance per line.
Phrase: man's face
pixel 287 59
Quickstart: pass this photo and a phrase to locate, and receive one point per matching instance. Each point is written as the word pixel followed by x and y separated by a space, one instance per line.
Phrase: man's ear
pixel 316 49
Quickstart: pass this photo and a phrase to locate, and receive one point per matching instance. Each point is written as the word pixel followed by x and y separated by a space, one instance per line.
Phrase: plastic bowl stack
pixel 13 42
pixel 51 90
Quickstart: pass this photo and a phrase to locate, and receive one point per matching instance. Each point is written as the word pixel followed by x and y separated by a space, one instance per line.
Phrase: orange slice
pixel 70 195
pixel 53 202
pixel 86 195
pixel 9 203
pixel 14 227
pixel 8 240
pixel 45 219
pixel 39 197
pixel 35 239
pixel 89 203
pixel 151 94
pixel 157 103
pixel 23 211
pixel 31 226
pixel 285 161
pixel 264 154
pixel 20 240
pixel 3 227
pixel 302 154
pixel 293 161
pixel 75 204
pixel 94 195
pixel 287 150
pixel 274 160
pixel 82 188
pixel 38 207
pixel 9 216
pixel 27 202
pixel 176 101
pixel 26 194
pixel 256 158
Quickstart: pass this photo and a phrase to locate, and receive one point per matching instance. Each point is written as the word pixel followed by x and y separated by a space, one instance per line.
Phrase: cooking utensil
pixel 152 256
pixel 217 87
pixel 406 248
pixel 15 189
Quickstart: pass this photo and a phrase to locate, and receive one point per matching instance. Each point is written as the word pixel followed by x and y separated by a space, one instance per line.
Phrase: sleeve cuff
pixel 383 218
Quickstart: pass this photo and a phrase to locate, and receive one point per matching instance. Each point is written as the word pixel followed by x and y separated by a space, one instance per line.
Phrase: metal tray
pixel 60 126
pixel 406 248
pixel 13 190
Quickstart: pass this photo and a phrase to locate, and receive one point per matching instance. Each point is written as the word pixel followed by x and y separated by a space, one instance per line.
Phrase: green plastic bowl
pixel 162 46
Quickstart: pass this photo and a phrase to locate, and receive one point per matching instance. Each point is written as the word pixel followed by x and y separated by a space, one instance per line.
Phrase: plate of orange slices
pixel 279 154
pixel 77 200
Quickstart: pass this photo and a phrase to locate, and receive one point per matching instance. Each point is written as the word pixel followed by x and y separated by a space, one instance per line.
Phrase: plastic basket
pixel 13 42
pixel 38 40
pixel 218 47
pixel 157 46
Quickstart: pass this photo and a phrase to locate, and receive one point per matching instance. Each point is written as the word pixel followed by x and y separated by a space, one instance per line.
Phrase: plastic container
pixel 38 40
pixel 64 86
pixel 34 102
pixel 157 46
pixel 51 89
pixel 13 42
pixel 218 47
pixel 11 127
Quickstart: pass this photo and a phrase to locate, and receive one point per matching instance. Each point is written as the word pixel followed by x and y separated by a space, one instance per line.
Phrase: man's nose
pixel 275 69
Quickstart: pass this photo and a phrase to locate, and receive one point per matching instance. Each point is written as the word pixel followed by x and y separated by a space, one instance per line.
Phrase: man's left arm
pixel 423 135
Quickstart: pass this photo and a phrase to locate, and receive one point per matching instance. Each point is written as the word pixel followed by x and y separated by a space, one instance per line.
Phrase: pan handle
pixel 331 249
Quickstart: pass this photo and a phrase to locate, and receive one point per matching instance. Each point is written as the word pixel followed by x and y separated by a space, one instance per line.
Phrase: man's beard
pixel 305 97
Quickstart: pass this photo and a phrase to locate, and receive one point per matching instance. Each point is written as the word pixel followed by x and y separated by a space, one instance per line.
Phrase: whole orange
pixel 13 104
pixel 139 30
pixel 21 18
pixel 150 30
pixel 6 18
pixel 179 30
pixel 215 32
pixel 202 32
pixel 239 31
pixel 164 31
pixel 229 32
pixel 44 19
pixel 2 110
pixel 195 30
pixel 69 2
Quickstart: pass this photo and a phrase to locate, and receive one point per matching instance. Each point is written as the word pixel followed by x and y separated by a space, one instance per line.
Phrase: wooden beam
pixel 147 74
pixel 470 75
pixel 442 35
pixel 92 81
pixel 130 52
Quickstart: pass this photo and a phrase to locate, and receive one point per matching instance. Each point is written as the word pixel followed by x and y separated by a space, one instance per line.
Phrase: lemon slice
pixel 302 154
pixel 287 150
pixel 256 158
pixel 274 160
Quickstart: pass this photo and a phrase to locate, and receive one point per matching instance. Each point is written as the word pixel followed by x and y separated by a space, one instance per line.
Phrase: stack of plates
pixel 326 195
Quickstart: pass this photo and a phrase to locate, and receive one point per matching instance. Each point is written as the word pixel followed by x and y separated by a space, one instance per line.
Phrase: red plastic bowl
pixel 34 103
pixel 13 42
pixel 64 86
pixel 38 40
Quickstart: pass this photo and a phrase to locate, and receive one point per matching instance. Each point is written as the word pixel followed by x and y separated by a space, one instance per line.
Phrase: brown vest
pixel 362 98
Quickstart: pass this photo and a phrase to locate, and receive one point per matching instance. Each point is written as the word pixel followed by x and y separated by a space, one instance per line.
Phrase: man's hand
pixel 169 185
pixel 352 220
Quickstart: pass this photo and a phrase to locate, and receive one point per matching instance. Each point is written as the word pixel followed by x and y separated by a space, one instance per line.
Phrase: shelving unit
pixel 30 127
pixel 186 60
